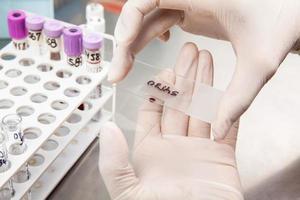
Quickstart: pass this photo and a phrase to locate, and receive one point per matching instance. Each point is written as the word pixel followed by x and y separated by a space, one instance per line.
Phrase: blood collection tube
pixel 12 128
pixel 92 44
pixel 34 26
pixel 17 29
pixel 73 46
pixel 53 31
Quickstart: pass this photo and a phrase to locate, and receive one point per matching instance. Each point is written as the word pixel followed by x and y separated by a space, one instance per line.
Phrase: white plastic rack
pixel 48 94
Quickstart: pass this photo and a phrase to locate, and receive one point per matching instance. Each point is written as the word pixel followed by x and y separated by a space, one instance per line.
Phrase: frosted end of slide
pixel 205 103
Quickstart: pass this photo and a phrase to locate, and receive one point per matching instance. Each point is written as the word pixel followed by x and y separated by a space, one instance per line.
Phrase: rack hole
pixel 32 79
pixel 8 56
pixel 38 184
pixel 18 91
pixel 36 160
pixel 6 104
pixel 22 175
pixel 59 105
pixel 71 92
pixel 85 106
pixel 74 118
pixel 38 98
pixel 49 145
pixel 63 74
pixel 3 84
pixel 12 73
pixel 44 67
pixel 83 80
pixel 32 133
pixel 51 85
pixel 46 118
pixel 62 131
pixel 1 67
pixel 25 111
pixel 26 62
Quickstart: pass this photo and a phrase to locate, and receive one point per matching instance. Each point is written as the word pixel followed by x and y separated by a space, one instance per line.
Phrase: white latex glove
pixel 173 157
pixel 262 32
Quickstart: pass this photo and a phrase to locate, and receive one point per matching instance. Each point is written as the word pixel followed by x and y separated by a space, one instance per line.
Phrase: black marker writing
pixel 163 88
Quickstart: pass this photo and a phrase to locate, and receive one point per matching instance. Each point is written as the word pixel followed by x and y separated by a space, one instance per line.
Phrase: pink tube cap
pixel 53 29
pixel 92 41
pixel 73 41
pixel 16 24
pixel 35 23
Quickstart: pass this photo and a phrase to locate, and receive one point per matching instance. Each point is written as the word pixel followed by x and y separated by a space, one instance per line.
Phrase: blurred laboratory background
pixel 268 150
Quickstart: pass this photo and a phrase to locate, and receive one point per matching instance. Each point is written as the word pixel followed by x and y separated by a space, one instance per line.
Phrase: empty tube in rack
pixel 4 163
pixel 12 127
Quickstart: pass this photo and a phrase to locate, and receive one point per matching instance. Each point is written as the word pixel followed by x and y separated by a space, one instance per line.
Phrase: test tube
pixel 35 25
pixel 12 127
pixel 22 175
pixel 92 44
pixel 73 46
pixel 17 29
pixel 6 191
pixel 53 31
pixel 4 162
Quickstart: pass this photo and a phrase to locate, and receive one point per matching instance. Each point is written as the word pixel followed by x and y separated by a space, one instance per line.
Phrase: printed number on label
pixel 2 158
pixel 35 35
pixel 75 61
pixel 17 136
pixel 20 45
pixel 2 162
pixel 52 42
pixel 93 56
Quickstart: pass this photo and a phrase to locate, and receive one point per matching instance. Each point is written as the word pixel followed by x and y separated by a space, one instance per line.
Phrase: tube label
pixel 20 44
pixel 54 44
pixel 35 36
pixel 93 57
pixel 3 155
pixel 75 61
pixel 17 137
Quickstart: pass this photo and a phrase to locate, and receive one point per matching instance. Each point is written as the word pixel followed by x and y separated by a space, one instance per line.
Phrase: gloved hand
pixel 173 157
pixel 262 32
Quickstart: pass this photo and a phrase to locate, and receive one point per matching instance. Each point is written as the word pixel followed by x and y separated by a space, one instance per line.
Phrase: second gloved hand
pixel 262 32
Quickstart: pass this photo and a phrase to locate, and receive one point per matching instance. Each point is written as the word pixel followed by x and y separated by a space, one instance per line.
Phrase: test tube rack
pixel 47 94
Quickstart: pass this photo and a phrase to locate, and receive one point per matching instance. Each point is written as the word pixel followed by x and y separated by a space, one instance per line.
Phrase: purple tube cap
pixel 16 24
pixel 53 29
pixel 92 41
pixel 35 22
pixel 73 41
